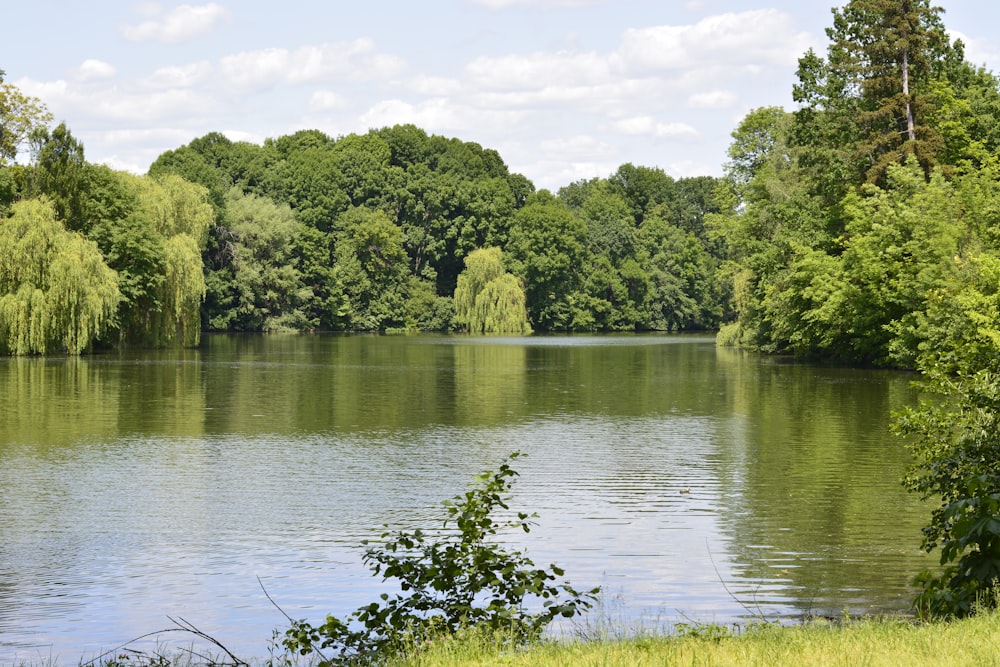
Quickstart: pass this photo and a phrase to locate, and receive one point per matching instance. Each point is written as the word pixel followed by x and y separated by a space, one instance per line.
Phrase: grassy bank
pixel 894 642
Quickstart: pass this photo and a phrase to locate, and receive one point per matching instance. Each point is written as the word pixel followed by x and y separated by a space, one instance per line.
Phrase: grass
pixel 858 643
pixel 854 643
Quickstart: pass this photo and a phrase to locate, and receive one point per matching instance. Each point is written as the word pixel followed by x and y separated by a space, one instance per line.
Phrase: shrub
pixel 451 579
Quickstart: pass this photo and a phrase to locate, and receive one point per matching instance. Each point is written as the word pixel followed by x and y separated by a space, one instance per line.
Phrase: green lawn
pixel 890 642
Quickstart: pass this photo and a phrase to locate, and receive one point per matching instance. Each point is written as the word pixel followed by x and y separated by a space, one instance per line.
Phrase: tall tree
pixel 371 268
pixel 56 292
pixel 487 298
pixel 20 116
pixel 548 252
pixel 875 84
pixel 60 173
pixel 260 286
pixel 155 240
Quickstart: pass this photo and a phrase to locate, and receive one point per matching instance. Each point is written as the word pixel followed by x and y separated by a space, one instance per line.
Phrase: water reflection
pixel 163 483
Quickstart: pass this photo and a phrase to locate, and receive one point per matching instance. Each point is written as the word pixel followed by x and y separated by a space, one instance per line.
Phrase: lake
pixel 145 485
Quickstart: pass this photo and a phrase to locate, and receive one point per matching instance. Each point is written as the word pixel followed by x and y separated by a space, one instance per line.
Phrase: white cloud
pixel 649 126
pixel 689 169
pixel 610 98
pixel 181 76
pixel 118 105
pixel 576 148
pixel 977 51
pixel 438 115
pixel 559 109
pixel 658 68
pixel 91 70
pixel 537 70
pixel 355 60
pixel 125 138
pixel 555 171
pixel 140 146
pixel 713 99
pixel 184 23
pixel 248 137
pixel 434 86
pixel 326 100
pixel 764 35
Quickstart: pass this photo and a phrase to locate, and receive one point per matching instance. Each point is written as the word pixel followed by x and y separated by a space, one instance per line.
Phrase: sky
pixel 564 90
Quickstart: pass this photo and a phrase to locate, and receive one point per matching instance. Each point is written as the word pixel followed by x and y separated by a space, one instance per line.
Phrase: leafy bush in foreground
pixel 452 578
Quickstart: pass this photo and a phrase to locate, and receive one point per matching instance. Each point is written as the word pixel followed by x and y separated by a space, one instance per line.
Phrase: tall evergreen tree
pixel 866 105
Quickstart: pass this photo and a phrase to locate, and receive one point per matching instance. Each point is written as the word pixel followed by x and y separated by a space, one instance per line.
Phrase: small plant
pixel 451 579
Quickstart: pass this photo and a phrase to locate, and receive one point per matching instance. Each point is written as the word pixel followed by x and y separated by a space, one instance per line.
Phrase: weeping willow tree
pixel 56 292
pixel 157 249
pixel 487 298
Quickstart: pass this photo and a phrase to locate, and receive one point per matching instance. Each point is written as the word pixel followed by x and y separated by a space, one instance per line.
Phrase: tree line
pixel 392 230
pixel 858 227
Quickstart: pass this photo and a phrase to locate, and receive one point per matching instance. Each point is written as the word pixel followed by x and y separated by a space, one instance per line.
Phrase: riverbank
pixel 872 642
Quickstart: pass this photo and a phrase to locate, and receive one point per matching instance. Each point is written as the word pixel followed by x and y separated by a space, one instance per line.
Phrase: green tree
pixel 681 288
pixel 259 286
pixel 872 95
pixel 363 165
pixel 425 212
pixel 487 298
pixel 548 252
pixel 644 188
pixel 425 310
pixel 56 292
pixel 308 178
pixel 955 438
pixel 901 245
pixel 20 116
pixel 611 227
pixel 153 235
pixel 371 270
pixel 60 173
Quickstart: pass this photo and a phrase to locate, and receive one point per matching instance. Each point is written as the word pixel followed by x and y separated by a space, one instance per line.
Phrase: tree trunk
pixel 910 131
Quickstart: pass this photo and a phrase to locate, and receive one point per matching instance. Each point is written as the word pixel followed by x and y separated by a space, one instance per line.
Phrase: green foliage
pixel 371 270
pixel 957 451
pixel 548 250
pixel 56 292
pixel 425 311
pixel 152 231
pixel 487 298
pixel 20 116
pixel 861 300
pixel 841 219
pixel 678 287
pixel 60 173
pixel 261 288
pixel 451 579
pixel 449 198
pixel 867 104
pixel 955 436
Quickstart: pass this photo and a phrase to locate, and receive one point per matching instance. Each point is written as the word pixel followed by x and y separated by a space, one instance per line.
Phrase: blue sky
pixel 563 89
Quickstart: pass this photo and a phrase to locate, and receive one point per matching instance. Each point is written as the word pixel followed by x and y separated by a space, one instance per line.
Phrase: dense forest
pixel 858 227
pixel 392 230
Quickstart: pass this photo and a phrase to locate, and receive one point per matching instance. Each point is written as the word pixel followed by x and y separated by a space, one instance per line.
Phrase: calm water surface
pixel 140 486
